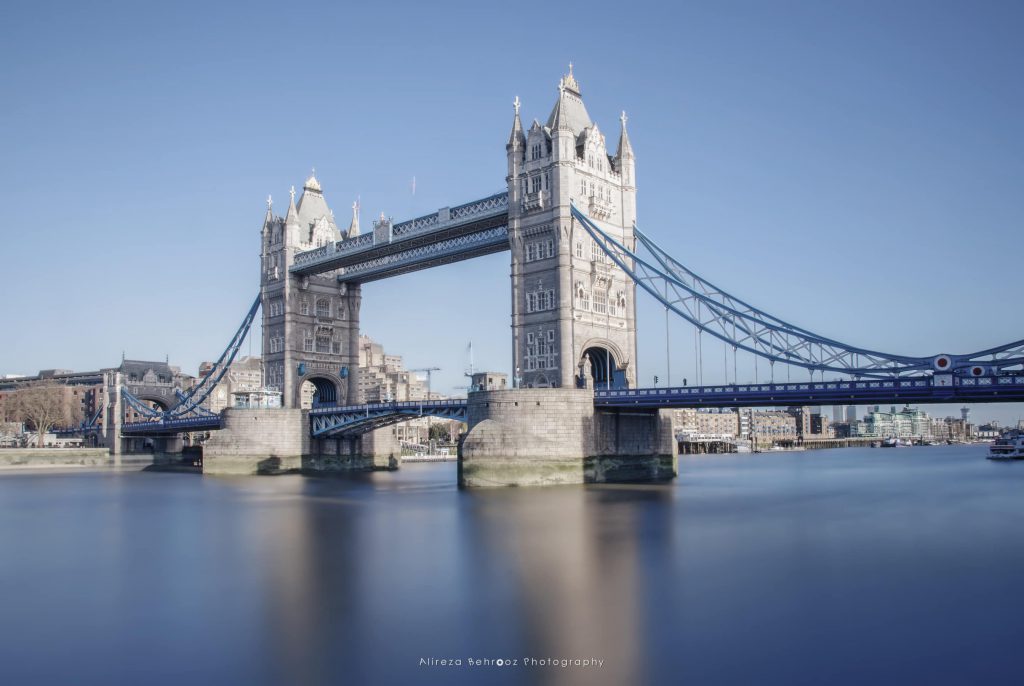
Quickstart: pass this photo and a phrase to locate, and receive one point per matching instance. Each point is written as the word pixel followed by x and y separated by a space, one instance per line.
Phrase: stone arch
pixel 158 403
pixel 317 390
pixel 600 367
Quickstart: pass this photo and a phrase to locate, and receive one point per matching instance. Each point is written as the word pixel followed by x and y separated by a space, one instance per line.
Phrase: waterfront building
pixel 821 427
pixel 384 378
pixel 771 426
pixel 707 423
pixel 908 423
pixel 243 377
pixel 154 383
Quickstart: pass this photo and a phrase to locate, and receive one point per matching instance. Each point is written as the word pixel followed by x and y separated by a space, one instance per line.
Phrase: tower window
pixel 323 308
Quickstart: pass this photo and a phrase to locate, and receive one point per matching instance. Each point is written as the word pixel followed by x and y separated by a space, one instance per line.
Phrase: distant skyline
pixel 856 170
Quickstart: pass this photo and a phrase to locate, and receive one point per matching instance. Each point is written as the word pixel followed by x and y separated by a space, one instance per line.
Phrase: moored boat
pixel 1009 446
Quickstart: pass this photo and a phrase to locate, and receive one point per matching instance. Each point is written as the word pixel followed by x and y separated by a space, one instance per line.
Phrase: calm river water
pixel 849 566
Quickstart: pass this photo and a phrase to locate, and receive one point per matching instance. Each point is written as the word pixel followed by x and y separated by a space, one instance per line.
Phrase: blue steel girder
pixel 446 225
pixel 747 328
pixel 919 389
pixel 486 242
pixel 353 420
pixel 171 426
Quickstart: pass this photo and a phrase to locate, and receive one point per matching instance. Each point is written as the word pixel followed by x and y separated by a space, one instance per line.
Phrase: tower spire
pixel 353 228
pixel 517 135
pixel 625 148
pixel 293 214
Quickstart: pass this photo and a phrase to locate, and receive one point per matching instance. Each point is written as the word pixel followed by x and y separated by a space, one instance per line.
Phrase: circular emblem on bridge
pixel 977 370
pixel 942 363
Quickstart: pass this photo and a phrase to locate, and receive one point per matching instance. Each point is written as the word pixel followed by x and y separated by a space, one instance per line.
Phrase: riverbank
pixel 12 459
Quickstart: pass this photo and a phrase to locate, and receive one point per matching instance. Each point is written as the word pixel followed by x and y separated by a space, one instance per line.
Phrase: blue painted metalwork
pixel 918 389
pixel 747 328
pixel 446 236
pixel 446 251
pixel 201 391
pixel 352 420
pixel 172 426
pixel 140 406
pixel 87 425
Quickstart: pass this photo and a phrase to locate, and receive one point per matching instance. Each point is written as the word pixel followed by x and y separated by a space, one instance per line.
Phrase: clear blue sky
pixel 856 170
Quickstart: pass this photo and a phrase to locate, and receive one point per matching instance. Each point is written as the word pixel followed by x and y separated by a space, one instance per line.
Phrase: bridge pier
pixel 372 451
pixel 258 441
pixel 269 441
pixel 538 437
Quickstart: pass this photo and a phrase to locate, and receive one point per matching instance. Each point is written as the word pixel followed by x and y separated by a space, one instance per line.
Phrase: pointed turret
pixel 293 214
pixel 353 228
pixel 517 136
pixel 269 218
pixel 625 149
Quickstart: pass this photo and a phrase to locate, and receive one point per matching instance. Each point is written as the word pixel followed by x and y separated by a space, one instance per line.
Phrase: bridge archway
pixel 600 368
pixel 317 390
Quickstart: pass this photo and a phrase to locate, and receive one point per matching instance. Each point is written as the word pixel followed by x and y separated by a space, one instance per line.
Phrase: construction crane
pixel 429 371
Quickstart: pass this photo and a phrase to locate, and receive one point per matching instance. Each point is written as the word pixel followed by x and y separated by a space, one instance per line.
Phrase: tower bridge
pixel 568 219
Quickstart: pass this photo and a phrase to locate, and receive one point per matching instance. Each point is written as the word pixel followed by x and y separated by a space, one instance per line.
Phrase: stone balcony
pixel 599 208
pixel 535 201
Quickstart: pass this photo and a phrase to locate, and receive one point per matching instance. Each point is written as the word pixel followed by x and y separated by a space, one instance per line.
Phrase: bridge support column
pixel 114 416
pixel 537 437
pixel 167 449
pixel 266 441
pixel 372 451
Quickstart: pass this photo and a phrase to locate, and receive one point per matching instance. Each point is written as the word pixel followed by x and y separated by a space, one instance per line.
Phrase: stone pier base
pixel 538 437
pixel 275 441
pixel 376 450
pixel 263 441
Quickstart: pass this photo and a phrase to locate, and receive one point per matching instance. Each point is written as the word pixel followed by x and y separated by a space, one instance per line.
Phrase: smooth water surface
pixel 851 566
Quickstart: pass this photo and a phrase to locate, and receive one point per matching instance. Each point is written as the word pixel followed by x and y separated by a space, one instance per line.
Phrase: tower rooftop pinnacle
pixel 312 184
pixel 517 135
pixel 625 147
pixel 570 83
pixel 569 111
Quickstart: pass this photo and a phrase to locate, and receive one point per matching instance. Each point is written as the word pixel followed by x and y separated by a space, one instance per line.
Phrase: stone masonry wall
pixel 254 441
pixel 527 437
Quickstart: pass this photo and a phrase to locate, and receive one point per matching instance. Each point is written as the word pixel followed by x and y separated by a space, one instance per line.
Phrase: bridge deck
pixel 449 235
pixel 171 426
pixel 923 389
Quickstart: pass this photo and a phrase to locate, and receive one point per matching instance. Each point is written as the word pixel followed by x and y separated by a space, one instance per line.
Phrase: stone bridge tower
pixel 310 323
pixel 573 310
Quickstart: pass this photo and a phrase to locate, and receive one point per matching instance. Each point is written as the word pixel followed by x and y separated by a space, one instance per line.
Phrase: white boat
pixel 1010 446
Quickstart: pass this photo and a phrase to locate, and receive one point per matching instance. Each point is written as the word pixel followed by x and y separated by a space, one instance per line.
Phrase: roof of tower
pixel 311 183
pixel 569 111
pixel 312 205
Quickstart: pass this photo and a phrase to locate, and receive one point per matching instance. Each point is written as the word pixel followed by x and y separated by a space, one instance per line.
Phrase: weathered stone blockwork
pixel 254 441
pixel 529 437
pixel 269 441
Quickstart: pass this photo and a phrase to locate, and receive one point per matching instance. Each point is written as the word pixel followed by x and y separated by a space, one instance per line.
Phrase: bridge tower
pixel 573 310
pixel 310 323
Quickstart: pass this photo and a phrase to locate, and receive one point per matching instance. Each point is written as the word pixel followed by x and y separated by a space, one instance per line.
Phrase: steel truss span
pixel 353 420
pixel 745 327
pixel 919 389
